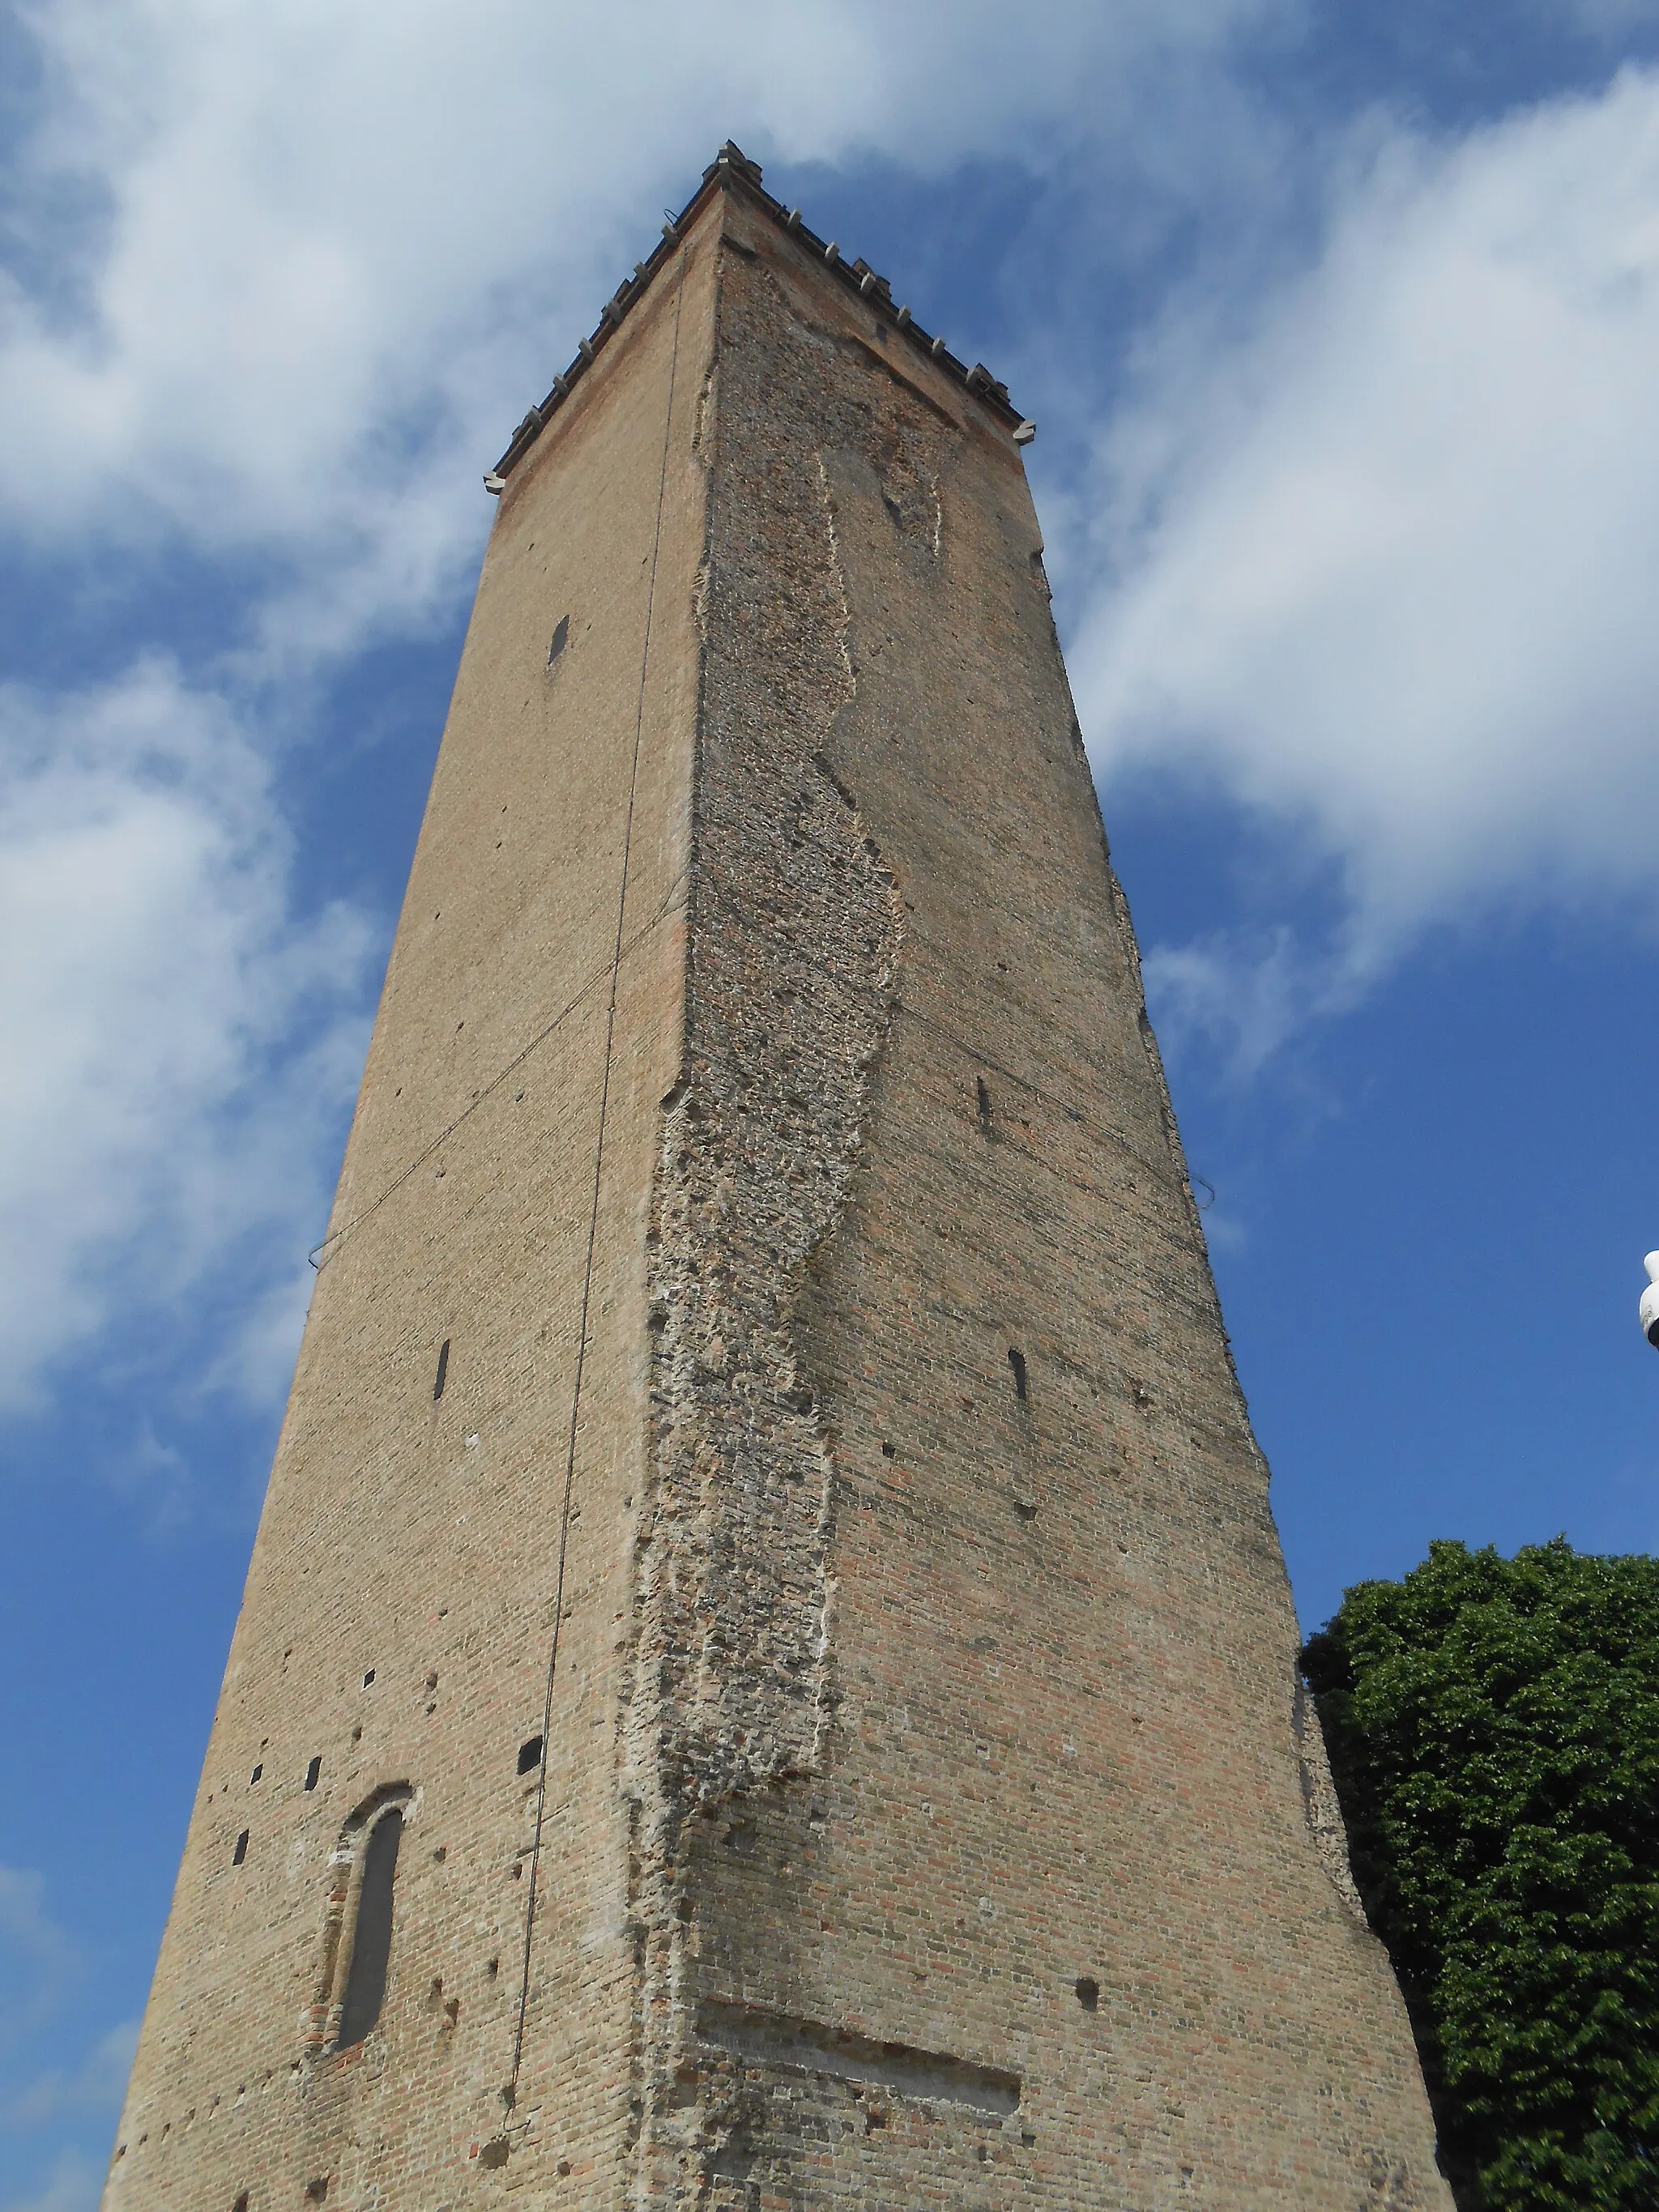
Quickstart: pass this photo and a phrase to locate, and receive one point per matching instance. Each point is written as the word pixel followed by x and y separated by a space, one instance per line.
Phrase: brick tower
pixel 766 1678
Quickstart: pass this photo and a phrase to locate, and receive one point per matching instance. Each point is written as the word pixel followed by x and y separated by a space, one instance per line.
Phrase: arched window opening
pixel 371 1934
pixel 358 1922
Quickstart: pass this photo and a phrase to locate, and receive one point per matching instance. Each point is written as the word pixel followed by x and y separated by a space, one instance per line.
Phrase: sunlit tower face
pixel 771 1673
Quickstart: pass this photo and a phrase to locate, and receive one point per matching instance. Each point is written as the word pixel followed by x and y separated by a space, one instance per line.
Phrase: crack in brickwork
pixel 795 932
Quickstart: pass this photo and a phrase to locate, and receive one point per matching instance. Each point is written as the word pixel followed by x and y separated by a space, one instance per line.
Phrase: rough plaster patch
pixel 795 936
pixel 1319 1797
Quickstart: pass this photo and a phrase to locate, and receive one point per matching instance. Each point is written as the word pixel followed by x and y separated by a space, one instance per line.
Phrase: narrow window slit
pixel 371 1941
pixel 240 1851
pixel 530 1755
pixel 984 1102
pixel 443 1370
pixel 1088 1992
pixel 312 1771
pixel 561 638
pixel 1016 1362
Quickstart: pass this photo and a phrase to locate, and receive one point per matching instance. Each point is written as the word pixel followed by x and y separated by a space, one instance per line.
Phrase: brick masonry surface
pixel 839 1464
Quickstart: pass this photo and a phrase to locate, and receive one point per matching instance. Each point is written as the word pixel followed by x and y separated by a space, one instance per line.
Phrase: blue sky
pixel 1341 324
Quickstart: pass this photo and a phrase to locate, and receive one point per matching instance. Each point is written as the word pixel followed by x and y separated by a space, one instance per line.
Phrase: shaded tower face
pixel 766 1677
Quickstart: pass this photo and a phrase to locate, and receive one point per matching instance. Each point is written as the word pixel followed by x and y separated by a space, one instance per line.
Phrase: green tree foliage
pixel 1493 1728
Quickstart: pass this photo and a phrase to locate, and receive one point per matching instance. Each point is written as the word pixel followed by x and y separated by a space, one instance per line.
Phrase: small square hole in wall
pixel 1088 1992
pixel 254 1777
pixel 369 1677
pixel 240 1851
pixel 530 1755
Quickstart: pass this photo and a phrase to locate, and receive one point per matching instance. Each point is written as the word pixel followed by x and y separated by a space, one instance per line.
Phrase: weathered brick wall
pixel 928 1813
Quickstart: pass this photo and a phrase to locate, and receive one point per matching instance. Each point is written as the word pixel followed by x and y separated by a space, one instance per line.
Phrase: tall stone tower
pixel 766 1679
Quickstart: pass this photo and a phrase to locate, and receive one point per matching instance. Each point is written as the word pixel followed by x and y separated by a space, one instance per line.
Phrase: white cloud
pixel 35 1955
pixel 1385 561
pixel 1378 553
pixel 94 2086
pixel 172 1039
pixel 338 249
pixel 42 1970
pixel 283 281
pixel 75 2186
pixel 1247 995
